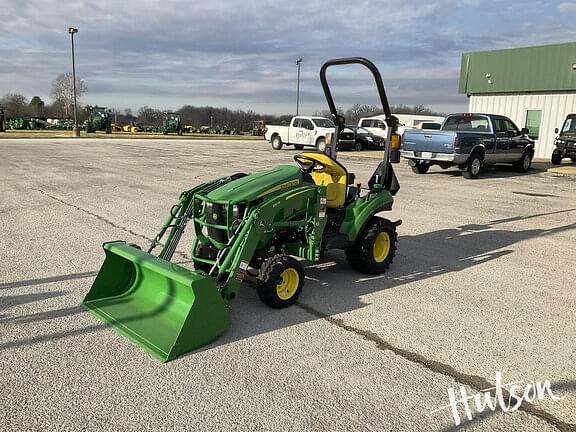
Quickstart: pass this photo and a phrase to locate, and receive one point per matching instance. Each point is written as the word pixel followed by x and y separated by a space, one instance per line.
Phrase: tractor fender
pixel 362 210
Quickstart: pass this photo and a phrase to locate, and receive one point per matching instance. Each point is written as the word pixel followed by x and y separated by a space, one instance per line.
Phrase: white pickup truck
pixel 377 124
pixel 303 131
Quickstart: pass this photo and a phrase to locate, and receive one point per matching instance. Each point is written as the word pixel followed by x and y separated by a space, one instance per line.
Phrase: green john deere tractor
pixel 172 124
pixel 99 119
pixel 258 128
pixel 248 224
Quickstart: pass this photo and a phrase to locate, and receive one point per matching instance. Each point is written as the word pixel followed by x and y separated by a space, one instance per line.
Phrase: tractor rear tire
pixel 375 247
pixel 298 146
pixel 280 281
pixel 277 142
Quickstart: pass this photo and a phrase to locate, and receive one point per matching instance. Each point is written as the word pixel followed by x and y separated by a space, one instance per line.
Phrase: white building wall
pixel 554 106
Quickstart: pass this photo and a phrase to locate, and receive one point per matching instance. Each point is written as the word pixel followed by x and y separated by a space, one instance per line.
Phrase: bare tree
pixel 14 105
pixel 357 111
pixel 63 90
pixel 150 116
pixel 416 109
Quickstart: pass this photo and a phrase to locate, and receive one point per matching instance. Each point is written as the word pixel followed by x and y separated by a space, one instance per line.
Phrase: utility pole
pixel 75 130
pixel 298 86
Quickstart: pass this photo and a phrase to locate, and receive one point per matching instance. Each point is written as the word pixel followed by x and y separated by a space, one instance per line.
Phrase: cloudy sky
pixel 242 53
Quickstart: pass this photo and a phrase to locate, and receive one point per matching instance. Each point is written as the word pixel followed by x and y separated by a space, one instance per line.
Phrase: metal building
pixel 534 86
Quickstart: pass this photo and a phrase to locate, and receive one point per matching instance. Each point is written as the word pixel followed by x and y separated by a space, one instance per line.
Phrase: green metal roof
pixel 530 69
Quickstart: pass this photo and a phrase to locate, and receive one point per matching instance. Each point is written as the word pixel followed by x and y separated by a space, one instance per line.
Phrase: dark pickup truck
pixel 469 141
pixel 565 142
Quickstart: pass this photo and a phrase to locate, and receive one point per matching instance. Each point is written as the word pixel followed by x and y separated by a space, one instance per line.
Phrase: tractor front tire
pixel 280 281
pixel 276 142
pixel 375 247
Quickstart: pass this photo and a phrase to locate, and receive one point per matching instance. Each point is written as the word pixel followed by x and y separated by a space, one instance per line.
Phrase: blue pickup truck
pixel 469 141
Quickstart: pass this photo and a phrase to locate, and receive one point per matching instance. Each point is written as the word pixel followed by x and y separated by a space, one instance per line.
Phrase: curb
pixel 567 171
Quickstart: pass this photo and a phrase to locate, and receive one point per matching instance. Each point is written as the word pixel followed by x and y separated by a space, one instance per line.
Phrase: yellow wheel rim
pixel 289 284
pixel 381 247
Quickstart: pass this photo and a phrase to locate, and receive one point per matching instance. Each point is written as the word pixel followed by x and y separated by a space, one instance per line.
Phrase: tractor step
pixel 336 240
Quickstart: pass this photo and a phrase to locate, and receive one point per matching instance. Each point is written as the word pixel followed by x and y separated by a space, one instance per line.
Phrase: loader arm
pixel 181 213
pixel 258 228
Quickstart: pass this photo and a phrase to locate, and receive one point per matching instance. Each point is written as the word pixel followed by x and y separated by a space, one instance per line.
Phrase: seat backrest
pixel 334 176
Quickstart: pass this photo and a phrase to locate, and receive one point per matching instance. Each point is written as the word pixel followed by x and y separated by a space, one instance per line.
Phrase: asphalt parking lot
pixel 483 282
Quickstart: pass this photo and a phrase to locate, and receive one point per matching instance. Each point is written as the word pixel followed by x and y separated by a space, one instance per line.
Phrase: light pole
pixel 76 130
pixel 298 86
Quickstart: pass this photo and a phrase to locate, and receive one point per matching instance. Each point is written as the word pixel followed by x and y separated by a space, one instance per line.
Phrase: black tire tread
pixel 519 166
pixel 359 255
pixel 269 277
pixel 556 157
pixel 421 168
pixel 468 172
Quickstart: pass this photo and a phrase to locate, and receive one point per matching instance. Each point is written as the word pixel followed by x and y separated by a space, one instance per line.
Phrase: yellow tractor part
pixel 289 285
pixel 381 247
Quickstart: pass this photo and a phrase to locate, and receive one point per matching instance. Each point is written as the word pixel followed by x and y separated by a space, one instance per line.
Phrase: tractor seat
pixel 334 176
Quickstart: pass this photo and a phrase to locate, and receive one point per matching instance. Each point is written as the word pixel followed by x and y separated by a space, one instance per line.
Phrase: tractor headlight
pixel 208 210
pixel 238 211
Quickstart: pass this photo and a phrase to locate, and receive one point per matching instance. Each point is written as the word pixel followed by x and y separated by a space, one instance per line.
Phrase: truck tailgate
pixel 429 141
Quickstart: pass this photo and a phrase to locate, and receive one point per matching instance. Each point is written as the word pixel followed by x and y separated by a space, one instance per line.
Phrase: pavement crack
pixel 105 220
pixel 474 381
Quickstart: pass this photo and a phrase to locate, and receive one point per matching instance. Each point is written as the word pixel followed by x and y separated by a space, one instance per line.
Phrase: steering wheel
pixel 308 164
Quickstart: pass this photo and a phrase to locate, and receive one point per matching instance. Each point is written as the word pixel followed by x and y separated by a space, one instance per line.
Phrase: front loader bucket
pixel 164 308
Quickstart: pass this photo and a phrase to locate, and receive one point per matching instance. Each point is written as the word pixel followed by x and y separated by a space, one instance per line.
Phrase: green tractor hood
pixel 255 186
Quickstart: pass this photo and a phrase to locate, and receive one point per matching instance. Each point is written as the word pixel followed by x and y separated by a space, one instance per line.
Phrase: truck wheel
pixel 298 146
pixel 276 142
pixel 375 248
pixel 421 167
pixel 358 146
pixel 280 281
pixel 556 157
pixel 525 163
pixel 321 145
pixel 473 166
